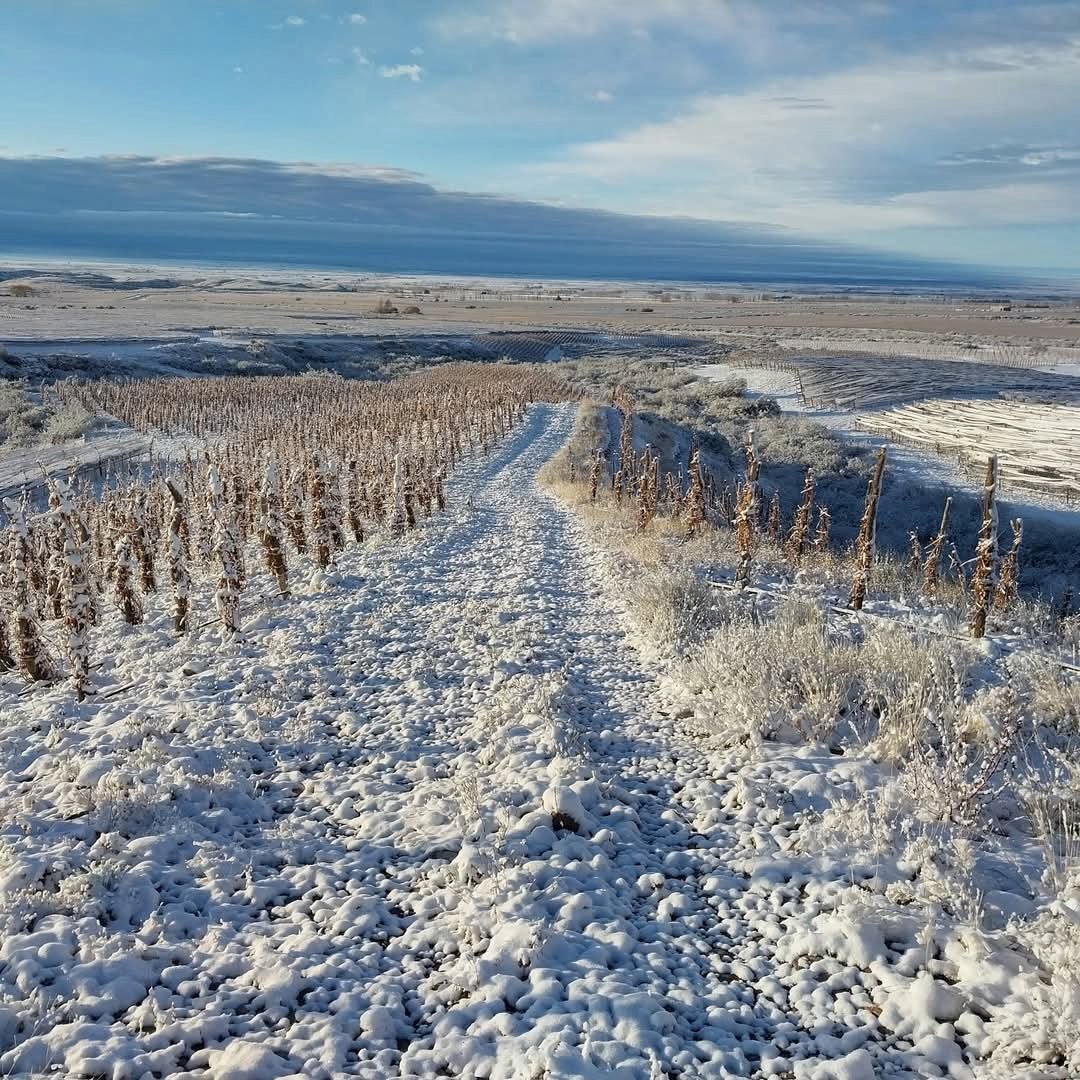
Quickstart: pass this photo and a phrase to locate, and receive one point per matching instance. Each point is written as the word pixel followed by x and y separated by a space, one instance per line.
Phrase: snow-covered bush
pixel 27 422
pixel 783 678
pixel 910 681
pixel 1055 698
pixel 678 610
pixel 21 420
pixel 732 386
pixel 69 421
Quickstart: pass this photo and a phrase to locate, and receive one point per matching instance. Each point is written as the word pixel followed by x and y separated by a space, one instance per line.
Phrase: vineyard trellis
pixel 1037 443
pixel 697 502
pixel 266 471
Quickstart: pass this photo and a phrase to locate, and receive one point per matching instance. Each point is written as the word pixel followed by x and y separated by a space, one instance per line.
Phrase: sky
pixel 937 128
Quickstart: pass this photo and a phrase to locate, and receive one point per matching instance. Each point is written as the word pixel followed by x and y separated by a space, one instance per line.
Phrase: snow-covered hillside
pixel 438 815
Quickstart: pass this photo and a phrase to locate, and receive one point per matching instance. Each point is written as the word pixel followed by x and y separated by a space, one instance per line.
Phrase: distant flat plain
pixel 148 306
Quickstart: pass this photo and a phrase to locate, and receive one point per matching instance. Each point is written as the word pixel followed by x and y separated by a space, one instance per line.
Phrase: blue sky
pixel 935 128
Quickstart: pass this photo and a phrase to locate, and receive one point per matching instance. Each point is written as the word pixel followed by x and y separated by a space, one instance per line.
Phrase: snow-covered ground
pixel 93 453
pixel 913 462
pixel 781 385
pixel 434 816
pixel 1060 359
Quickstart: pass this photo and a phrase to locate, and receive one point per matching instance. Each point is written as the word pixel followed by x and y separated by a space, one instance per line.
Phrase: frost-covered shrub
pixel 1055 697
pixel 21 420
pixel 678 610
pixel 958 770
pixel 909 682
pixel 789 441
pixel 732 386
pixel 24 422
pixel 786 677
pixel 792 675
pixel 70 421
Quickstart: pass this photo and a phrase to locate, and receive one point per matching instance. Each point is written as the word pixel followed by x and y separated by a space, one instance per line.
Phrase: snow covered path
pixel 428 818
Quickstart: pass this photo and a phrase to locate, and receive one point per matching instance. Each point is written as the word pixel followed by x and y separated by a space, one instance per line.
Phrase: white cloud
pixel 1029 202
pixel 356 19
pixel 1050 155
pixel 541 20
pixel 412 72
pixel 360 57
pixel 866 147
pixel 605 97
pixel 295 20
pixel 752 24
pixel 345 169
pixel 416 51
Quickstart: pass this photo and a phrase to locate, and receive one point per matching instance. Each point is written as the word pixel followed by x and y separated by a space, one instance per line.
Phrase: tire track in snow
pixel 520 559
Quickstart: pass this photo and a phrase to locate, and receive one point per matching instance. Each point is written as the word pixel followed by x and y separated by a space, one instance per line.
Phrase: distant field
pixel 1037 442
pixel 961 409
pixel 869 382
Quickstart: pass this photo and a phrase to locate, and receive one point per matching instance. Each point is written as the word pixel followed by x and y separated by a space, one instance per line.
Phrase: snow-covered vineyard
pixel 421 797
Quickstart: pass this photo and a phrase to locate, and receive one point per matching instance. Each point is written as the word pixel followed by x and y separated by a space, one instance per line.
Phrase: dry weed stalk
pixel 295 511
pixel 644 499
pixel 865 542
pixel 33 660
pixel 78 602
pixel 399 518
pixel 178 560
pixel 229 554
pixel 1009 575
pixel 140 540
pixel 320 513
pixel 271 527
pixel 695 497
pixel 673 494
pixel 915 552
pixel 594 476
pixel 124 571
pixel 7 658
pixel 800 529
pixel 626 438
pixel 747 513
pixel 775 526
pixel 931 567
pixel 982 577
pixel 821 536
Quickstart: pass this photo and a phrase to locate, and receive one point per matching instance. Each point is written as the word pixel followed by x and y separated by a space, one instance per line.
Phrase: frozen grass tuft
pixel 678 610
pixel 785 677
pixel 25 421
